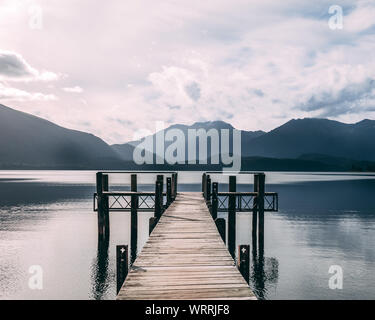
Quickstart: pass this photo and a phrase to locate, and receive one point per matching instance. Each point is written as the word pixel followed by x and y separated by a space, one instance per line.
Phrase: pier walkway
pixel 185 258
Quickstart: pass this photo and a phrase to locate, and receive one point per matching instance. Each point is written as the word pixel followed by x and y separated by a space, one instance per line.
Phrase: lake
pixel 324 219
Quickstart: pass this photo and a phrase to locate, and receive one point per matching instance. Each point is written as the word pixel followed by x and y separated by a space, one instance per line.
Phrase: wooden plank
pixel 185 258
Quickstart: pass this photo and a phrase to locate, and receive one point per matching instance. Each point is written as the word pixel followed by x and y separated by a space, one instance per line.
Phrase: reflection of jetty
pixel 185 256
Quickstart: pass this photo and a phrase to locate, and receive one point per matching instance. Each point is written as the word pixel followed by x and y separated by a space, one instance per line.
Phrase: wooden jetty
pixel 185 258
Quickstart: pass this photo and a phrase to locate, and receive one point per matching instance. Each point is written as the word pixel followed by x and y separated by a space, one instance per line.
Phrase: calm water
pixel 324 219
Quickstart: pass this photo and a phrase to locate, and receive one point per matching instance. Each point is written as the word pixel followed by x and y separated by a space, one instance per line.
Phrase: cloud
pixel 75 89
pixel 362 18
pixel 15 68
pixel 13 94
pixel 349 99
pixel 255 64
pixel 193 90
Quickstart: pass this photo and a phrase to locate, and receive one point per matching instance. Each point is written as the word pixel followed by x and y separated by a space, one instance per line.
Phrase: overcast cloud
pixel 112 67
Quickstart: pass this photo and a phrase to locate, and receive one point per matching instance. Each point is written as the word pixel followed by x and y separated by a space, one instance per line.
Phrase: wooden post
pixel 215 200
pixel 173 186
pixel 244 260
pixel 169 191
pixel 160 178
pixel 174 193
pixel 203 184
pixel 232 217
pixel 158 199
pixel 220 225
pixel 152 224
pixel 260 203
pixel 106 205
pixel 133 218
pixel 99 192
pixel 208 189
pixel 255 214
pixel 122 265
pixel 176 184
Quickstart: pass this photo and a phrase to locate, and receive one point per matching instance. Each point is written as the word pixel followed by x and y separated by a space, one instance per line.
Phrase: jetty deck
pixel 185 258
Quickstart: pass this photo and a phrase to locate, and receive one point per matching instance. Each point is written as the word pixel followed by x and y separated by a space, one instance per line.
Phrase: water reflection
pixel 99 271
pixel 264 271
pixel 264 275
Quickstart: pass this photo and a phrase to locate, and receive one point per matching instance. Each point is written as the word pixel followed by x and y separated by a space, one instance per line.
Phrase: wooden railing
pixel 232 201
pixel 106 201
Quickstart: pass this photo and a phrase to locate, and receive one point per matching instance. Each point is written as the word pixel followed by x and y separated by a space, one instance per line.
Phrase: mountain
pixel 27 141
pixel 125 150
pixel 316 136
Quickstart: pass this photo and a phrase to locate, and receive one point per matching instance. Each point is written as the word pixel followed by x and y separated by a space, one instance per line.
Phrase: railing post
pixel 260 203
pixel 208 190
pixel 106 205
pixel 158 199
pixel 176 185
pixel 220 225
pixel 121 265
pixel 160 178
pixel 169 191
pixel 255 213
pixel 244 260
pixel 173 187
pixel 232 217
pixel 101 204
pixel 214 207
pixel 133 218
pixel 204 185
pixel 203 181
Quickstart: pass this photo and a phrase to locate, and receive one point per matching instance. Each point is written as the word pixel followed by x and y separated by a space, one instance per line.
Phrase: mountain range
pixel 30 142
pixel 27 141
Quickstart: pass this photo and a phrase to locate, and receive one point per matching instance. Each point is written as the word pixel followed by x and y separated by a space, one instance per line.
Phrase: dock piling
pixel 232 217
pixel 158 199
pixel 255 213
pixel 244 260
pixel 260 205
pixel 208 189
pixel 169 191
pixel 204 185
pixel 133 218
pixel 215 200
pixel 173 185
pixel 176 185
pixel 103 208
pixel 121 265
pixel 106 206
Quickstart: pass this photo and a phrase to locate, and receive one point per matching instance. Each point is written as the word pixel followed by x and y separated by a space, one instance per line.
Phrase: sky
pixel 113 68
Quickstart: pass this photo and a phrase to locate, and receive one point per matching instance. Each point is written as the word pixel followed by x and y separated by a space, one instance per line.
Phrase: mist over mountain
pixel 27 141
